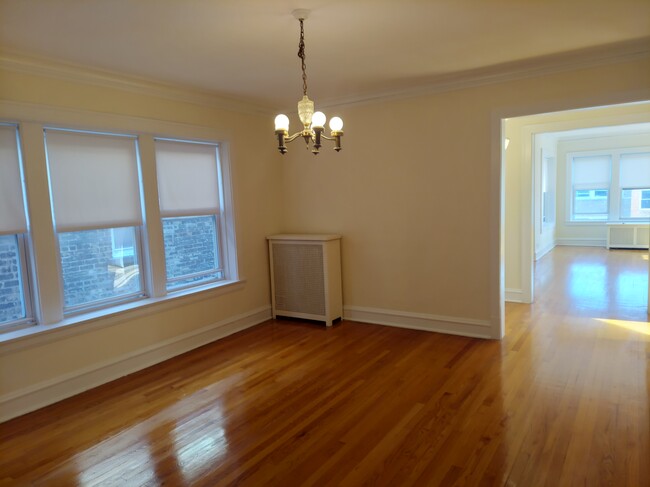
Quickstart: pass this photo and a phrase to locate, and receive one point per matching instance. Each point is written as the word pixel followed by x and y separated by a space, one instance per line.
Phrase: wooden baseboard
pixel 419 321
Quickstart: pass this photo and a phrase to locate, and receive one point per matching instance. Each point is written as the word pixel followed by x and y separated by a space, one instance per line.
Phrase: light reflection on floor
pixel 641 327
pixel 587 283
pixel 601 286
pixel 134 460
pixel 200 443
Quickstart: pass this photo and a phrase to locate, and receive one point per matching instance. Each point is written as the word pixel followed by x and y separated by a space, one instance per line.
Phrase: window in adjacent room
pixel 190 187
pixel 95 193
pixel 635 186
pixel 591 179
pixel 15 297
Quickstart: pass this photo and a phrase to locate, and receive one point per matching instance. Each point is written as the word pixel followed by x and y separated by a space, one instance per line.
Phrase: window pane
pixel 635 203
pixel 99 265
pixel 591 204
pixel 12 302
pixel 191 251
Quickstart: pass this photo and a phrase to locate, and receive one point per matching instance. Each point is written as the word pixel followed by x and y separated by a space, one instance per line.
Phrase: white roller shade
pixel 635 170
pixel 12 209
pixel 592 172
pixel 188 182
pixel 94 180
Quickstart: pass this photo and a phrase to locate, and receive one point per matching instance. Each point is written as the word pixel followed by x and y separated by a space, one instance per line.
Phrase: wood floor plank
pixel 562 400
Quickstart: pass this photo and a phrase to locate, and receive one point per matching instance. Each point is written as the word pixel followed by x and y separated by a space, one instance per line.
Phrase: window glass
pixel 635 203
pixel 590 204
pixel 92 273
pixel 12 298
pixel 191 251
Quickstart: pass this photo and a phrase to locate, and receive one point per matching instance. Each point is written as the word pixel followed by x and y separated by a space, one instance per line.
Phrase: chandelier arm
pixel 293 137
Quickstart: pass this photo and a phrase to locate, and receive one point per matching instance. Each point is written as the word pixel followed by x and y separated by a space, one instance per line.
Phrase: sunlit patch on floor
pixel 642 327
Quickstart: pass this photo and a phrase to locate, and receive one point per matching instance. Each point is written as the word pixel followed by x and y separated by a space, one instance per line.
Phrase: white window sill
pixel 581 223
pixel 640 221
pixel 29 336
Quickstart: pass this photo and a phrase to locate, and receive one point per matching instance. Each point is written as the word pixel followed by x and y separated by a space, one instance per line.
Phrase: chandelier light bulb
pixel 282 122
pixel 318 119
pixel 336 124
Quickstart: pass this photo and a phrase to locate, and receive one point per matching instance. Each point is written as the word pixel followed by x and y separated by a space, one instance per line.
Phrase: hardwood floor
pixel 561 401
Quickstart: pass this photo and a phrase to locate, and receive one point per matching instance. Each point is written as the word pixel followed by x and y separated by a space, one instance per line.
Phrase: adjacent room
pixel 324 243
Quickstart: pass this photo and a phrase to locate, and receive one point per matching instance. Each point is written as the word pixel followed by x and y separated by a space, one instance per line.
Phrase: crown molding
pixel 21 63
pixel 517 70
pixel 528 68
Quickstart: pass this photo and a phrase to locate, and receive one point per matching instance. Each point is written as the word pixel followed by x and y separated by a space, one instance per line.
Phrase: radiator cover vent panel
pixel 306 276
pixel 299 279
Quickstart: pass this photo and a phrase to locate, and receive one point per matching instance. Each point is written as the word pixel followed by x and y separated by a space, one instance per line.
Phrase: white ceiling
pixel 246 49
pixel 597 132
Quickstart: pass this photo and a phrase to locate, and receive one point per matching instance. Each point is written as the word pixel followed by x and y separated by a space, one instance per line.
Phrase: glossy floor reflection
pixel 561 401
pixel 596 282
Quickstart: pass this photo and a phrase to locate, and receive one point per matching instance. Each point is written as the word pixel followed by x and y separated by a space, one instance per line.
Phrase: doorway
pixel 538 200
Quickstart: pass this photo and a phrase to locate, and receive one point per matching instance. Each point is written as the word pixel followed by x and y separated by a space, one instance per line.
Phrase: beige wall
pixel 28 364
pixel 411 243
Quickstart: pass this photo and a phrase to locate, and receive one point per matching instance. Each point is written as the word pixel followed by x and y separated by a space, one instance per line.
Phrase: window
pixel 88 194
pixel 95 193
pixel 190 194
pixel 591 179
pixel 15 306
pixel 635 186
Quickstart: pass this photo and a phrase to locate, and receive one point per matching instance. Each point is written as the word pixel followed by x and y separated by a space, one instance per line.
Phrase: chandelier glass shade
pixel 313 123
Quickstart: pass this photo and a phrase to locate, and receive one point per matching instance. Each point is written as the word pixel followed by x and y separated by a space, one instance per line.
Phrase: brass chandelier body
pixel 313 122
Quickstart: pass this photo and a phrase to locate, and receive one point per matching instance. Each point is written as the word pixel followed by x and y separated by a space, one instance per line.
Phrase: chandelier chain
pixel 301 55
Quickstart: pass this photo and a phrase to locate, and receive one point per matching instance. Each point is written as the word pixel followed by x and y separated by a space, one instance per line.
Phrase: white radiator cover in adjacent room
pixel 628 236
pixel 306 276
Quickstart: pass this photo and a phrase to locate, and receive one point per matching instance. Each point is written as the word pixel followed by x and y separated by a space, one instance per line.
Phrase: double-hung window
pixel 15 303
pixel 635 186
pixel 96 201
pixel 591 180
pixel 190 191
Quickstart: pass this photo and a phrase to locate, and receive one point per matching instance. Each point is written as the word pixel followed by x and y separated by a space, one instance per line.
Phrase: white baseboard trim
pixel 544 250
pixel 48 392
pixel 582 242
pixel 419 321
pixel 514 296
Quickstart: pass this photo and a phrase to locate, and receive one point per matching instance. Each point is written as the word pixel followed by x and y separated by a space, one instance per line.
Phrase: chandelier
pixel 313 123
